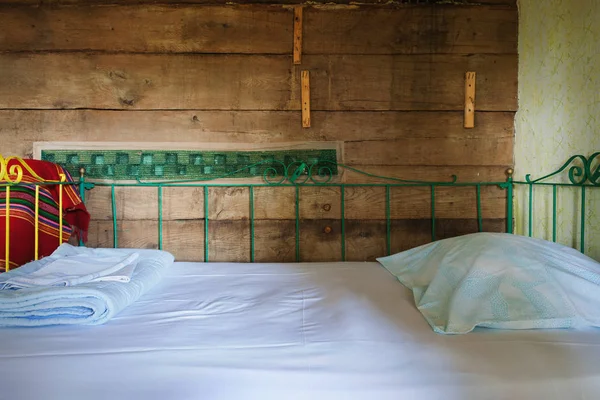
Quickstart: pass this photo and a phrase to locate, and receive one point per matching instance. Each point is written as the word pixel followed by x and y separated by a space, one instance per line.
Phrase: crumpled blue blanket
pixel 91 303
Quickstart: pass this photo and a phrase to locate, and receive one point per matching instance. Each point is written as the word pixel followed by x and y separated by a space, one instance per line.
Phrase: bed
pixel 339 330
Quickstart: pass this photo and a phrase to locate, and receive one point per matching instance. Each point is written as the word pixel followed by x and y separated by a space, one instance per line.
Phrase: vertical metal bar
pixel 583 219
pixel 343 220
pixel 160 217
pixel 205 223
pixel 479 213
pixel 509 203
pixel 530 210
pixel 82 184
pixel 60 214
pixel 114 216
pixel 7 233
pixel 36 232
pixel 251 194
pixel 433 213
pixel 81 195
pixel 388 225
pixel 297 223
pixel 554 213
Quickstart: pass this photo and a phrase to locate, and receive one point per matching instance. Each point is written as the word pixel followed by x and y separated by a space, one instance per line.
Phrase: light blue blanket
pixel 89 303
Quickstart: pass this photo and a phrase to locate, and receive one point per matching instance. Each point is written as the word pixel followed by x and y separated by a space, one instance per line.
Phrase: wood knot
pixel 126 102
pixel 327 207
pixel 117 74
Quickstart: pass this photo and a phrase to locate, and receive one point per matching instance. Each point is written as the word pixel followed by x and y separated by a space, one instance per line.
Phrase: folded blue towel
pixel 90 303
pixel 69 270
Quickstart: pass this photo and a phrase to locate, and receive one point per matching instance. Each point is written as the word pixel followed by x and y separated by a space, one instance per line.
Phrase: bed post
pixel 509 200
pixel 82 184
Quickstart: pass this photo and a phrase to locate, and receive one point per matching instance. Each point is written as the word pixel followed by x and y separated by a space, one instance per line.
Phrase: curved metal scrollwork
pixel 12 174
pixel 581 170
pixel 323 172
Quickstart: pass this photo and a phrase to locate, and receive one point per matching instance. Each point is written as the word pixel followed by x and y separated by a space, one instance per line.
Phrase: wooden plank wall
pixel 386 81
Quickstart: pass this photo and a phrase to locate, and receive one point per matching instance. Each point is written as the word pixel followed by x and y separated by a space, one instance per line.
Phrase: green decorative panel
pixel 183 164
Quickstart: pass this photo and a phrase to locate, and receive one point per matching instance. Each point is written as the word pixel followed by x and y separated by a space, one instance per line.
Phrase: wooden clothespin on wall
pixel 297 35
pixel 305 76
pixel 305 82
pixel 470 99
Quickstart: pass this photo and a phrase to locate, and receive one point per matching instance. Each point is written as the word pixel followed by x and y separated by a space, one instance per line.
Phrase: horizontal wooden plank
pixel 317 4
pixel 366 239
pixel 411 30
pixel 420 151
pixel 259 30
pixel 450 202
pixel 320 240
pixel 143 81
pixel 316 203
pixel 20 128
pixel 147 28
pixel 141 203
pixel 417 82
pixel 429 173
pixel 241 82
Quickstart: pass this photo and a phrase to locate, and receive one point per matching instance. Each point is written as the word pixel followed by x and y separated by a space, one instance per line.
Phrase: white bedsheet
pixel 290 331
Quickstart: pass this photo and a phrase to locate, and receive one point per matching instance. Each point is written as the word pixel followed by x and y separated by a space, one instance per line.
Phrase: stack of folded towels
pixel 78 285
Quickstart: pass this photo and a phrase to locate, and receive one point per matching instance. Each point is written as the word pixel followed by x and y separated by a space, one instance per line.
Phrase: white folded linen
pixel 77 269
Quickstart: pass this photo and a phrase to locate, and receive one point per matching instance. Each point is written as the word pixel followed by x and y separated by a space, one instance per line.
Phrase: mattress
pixel 290 331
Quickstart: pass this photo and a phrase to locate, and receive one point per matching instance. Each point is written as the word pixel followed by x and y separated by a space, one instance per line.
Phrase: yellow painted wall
pixel 559 110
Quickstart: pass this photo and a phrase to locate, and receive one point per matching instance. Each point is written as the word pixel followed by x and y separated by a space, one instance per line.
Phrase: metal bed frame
pixel 583 173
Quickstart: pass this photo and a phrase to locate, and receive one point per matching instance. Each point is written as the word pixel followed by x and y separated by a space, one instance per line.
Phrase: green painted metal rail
pixel 583 174
pixel 297 175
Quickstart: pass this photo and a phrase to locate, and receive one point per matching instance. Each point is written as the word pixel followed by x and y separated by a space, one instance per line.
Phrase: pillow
pixel 499 280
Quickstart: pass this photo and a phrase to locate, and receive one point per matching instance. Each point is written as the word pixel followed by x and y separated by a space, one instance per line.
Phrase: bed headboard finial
pixel 510 172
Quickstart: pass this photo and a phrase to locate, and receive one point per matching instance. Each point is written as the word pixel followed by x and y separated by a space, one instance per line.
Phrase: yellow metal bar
pixel 60 214
pixel 7 236
pixel 37 221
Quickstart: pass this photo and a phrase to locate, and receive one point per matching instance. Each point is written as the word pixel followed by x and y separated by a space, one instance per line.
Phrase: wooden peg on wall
pixel 470 100
pixel 297 35
pixel 305 82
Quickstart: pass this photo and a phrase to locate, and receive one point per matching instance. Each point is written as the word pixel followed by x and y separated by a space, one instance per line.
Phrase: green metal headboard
pixel 300 174
pixel 583 173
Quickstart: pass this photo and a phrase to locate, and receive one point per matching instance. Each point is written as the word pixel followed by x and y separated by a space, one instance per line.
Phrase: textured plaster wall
pixel 559 111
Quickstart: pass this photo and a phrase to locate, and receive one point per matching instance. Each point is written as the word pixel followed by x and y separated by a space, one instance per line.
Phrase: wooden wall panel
pixel 387 81
pixel 218 29
pixel 256 82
